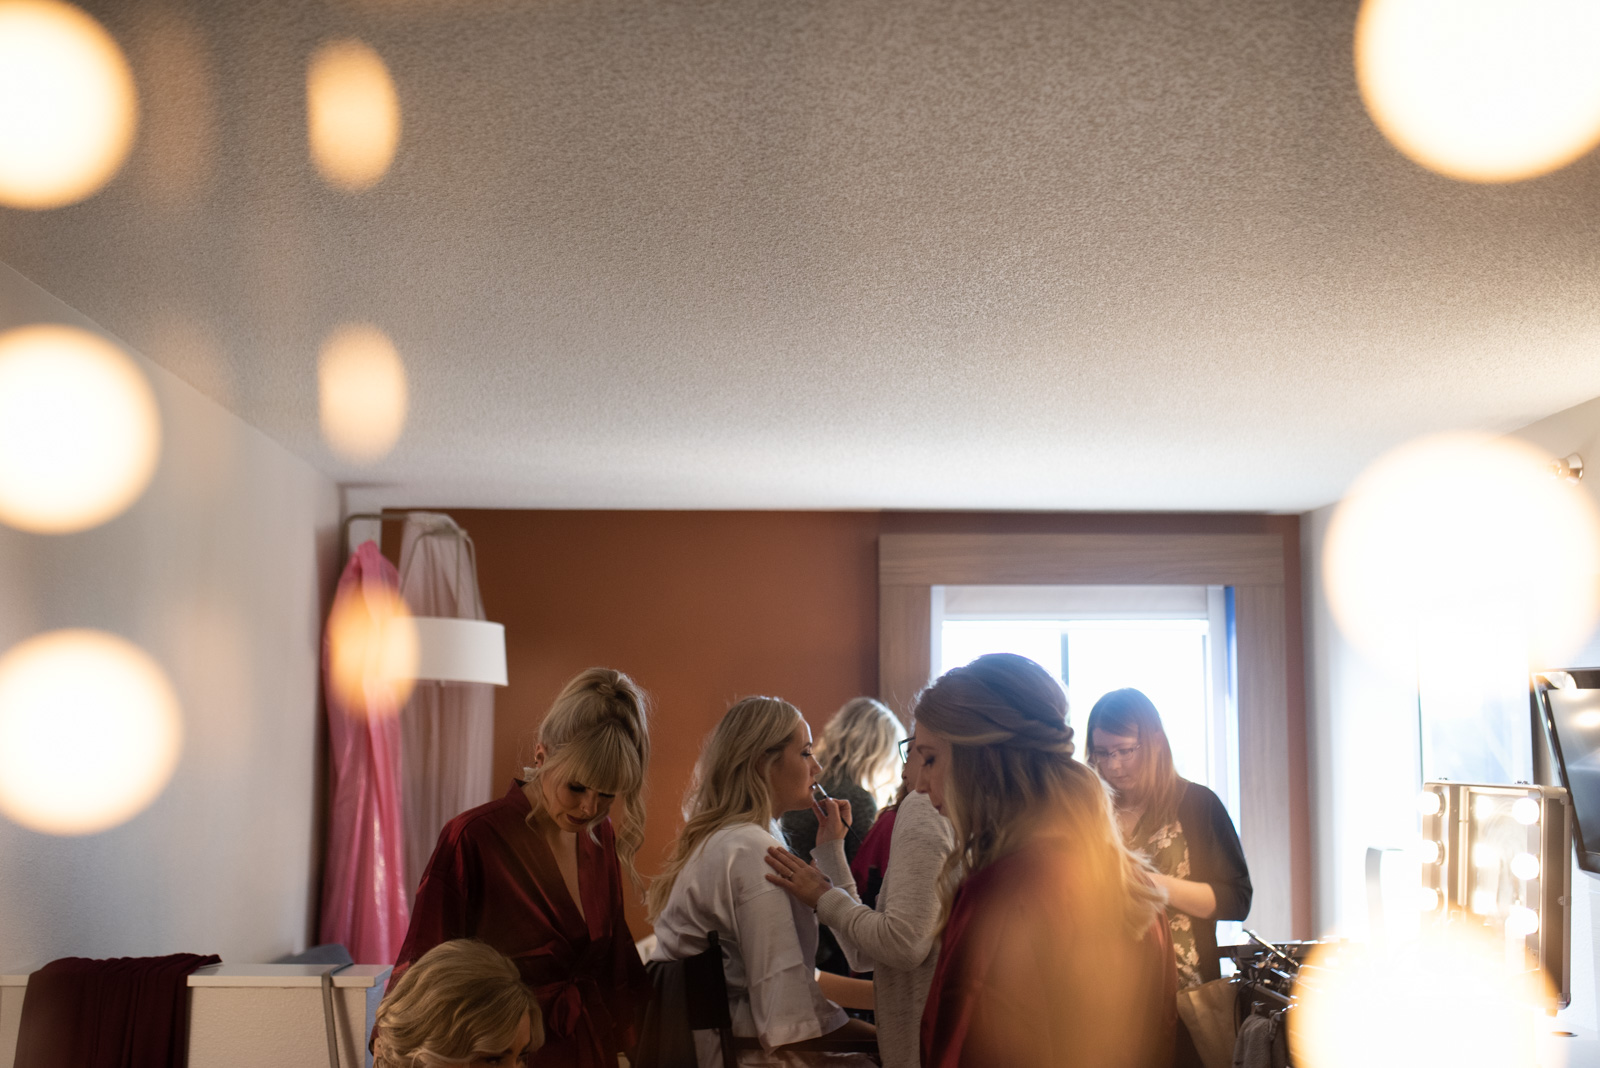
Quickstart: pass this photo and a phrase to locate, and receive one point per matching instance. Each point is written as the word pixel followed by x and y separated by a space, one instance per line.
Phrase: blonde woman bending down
pixel 461 1005
pixel 538 873
pixel 756 766
pixel 898 940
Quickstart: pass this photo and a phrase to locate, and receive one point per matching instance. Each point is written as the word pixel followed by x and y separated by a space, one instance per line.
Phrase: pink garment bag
pixel 363 884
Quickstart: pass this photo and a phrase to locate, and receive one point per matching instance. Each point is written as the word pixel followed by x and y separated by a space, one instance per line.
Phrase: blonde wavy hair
pixel 597 733
pixel 460 1000
pixel 730 784
pixel 1012 778
pixel 860 745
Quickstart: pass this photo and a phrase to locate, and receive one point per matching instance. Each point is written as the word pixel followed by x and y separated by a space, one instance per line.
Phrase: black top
pixel 1217 859
pixel 800 828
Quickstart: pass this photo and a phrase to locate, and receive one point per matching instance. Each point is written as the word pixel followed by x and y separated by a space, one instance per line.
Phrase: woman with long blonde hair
pixel 756 765
pixel 538 873
pixel 1055 948
pixel 461 1004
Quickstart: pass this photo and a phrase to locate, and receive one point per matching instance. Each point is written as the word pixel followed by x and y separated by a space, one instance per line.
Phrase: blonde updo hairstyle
pixel 597 733
pixel 730 784
pixel 460 1000
pixel 1012 774
pixel 860 745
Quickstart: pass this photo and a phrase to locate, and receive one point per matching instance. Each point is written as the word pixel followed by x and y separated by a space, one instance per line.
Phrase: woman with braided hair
pixel 1055 947
pixel 538 874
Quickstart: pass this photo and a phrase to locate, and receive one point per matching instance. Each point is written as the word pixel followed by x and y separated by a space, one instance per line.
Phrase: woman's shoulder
pixel 735 841
pixel 917 818
pixel 1199 801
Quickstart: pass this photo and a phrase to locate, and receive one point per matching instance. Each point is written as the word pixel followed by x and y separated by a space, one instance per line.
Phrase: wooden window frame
pixel 909 565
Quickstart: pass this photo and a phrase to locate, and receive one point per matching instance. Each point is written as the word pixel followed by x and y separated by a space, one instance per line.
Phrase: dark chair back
pixel 692 995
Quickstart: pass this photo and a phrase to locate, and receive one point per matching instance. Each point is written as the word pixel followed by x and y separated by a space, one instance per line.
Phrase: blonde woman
pixel 461 1004
pixel 859 754
pixel 756 766
pixel 538 873
pixel 1055 949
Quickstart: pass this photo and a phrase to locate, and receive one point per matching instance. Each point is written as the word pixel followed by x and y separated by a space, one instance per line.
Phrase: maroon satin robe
pixel 492 877
pixel 1035 972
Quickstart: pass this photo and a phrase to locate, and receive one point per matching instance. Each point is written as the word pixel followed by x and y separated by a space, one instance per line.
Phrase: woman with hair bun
pixel 538 873
pixel 756 766
pixel 1055 948
pixel 461 1004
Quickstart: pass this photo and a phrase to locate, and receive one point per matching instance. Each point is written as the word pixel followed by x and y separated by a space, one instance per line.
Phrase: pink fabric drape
pixel 363 884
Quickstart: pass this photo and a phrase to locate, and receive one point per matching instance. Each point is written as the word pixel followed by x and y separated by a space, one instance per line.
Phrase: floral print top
pixel 1168 850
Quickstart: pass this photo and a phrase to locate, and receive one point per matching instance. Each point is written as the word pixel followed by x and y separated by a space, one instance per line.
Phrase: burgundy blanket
pixel 129 1012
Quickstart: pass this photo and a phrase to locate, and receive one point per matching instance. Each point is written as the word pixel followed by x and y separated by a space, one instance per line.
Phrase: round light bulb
pixel 1430 851
pixel 1525 810
pixel 1525 866
pixel 76 699
pixel 68 108
pixel 1427 901
pixel 1522 921
pixel 1429 803
pixel 80 433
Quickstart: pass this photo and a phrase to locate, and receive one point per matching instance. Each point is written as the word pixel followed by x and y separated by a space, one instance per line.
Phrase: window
pixel 1169 641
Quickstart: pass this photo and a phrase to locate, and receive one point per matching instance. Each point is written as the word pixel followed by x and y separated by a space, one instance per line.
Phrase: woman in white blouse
pixel 756 766
pixel 896 942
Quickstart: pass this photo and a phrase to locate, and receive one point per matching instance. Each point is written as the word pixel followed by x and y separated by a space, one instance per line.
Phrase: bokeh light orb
pixel 1482 90
pixel 68 108
pixel 90 732
pixel 1465 1004
pixel 1467 536
pixel 352 115
pixel 362 392
pixel 372 650
pixel 80 433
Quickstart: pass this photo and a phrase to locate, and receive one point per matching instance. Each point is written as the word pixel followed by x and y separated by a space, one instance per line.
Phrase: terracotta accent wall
pixel 702 608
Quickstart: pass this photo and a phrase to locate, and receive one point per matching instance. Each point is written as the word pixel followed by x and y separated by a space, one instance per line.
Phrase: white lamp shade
pixel 461 650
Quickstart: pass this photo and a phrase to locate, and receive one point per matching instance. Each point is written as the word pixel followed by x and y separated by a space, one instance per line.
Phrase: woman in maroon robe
pixel 538 874
pixel 1055 948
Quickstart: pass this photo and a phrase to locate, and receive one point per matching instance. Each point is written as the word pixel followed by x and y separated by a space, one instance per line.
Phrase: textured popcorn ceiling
pixel 1097 254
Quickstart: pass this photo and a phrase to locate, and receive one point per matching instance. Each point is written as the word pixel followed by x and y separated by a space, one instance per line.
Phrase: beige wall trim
pixel 1080 559
pixel 909 565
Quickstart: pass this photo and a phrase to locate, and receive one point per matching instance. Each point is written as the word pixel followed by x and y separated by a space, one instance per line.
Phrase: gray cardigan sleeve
pixel 902 934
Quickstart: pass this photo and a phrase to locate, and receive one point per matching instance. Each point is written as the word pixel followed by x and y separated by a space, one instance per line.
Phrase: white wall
pixel 218 572
pixel 1363 738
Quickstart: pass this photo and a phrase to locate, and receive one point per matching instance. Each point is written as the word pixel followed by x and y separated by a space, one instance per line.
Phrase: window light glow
pixel 68 109
pixel 352 115
pixel 1482 90
pixel 372 649
pixel 1463 504
pixel 363 395
pixel 79 430
pixel 89 732
pixel 1465 1005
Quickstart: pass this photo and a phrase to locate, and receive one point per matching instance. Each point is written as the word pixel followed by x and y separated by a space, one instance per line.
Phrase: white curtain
pixel 447 728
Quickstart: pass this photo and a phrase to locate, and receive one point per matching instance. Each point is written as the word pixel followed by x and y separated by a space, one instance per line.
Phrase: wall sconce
pixel 1499 857
pixel 1569 468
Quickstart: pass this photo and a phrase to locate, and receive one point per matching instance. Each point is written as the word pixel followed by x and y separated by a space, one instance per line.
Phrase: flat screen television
pixel 1568 703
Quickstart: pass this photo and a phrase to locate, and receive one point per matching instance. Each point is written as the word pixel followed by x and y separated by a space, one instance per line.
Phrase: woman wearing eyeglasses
pixel 1180 825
